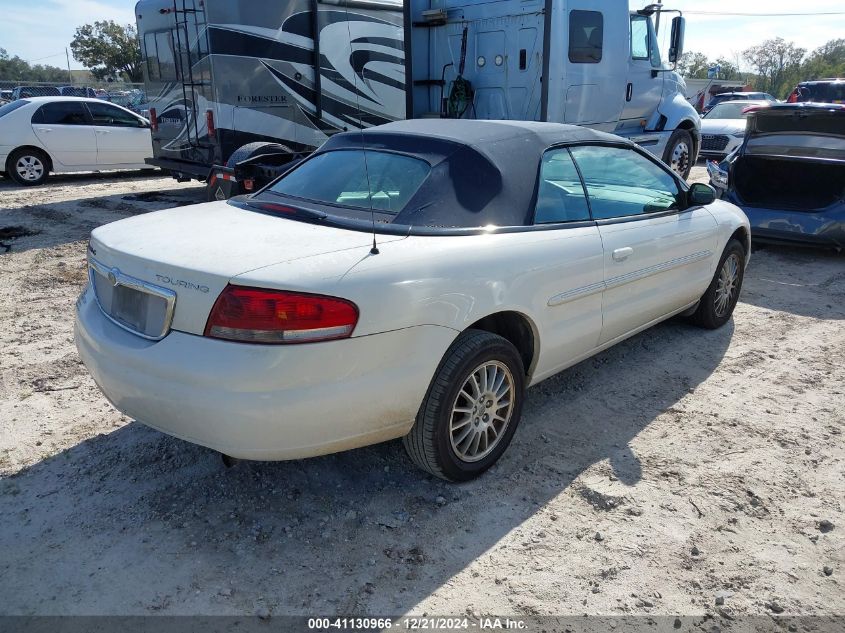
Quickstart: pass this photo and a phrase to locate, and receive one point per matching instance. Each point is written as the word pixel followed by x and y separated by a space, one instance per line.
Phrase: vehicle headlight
pixel 739 134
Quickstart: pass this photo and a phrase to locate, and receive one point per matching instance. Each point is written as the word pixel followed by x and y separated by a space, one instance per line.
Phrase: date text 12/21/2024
pixel 424 623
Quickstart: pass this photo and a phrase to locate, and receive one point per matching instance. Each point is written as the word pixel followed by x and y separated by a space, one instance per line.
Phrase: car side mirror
pixel 701 194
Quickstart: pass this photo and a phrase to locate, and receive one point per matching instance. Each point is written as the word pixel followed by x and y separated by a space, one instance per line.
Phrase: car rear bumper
pixel 261 401
pixel 825 228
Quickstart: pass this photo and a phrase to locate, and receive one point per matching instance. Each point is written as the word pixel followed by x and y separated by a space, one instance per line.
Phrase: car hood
pixel 197 250
pixel 722 126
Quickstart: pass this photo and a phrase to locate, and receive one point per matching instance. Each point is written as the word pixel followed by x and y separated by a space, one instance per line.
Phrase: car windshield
pixel 727 111
pixel 12 106
pixel 383 181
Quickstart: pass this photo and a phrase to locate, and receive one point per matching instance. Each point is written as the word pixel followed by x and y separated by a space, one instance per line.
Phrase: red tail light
pixel 209 122
pixel 256 315
pixel 153 120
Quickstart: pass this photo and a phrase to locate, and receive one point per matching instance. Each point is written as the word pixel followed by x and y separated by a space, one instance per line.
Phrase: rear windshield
pixel 12 106
pixel 727 111
pixel 383 181
pixel 825 93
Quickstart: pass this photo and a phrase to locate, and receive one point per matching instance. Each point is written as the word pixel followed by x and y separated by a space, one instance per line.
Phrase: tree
pixel 107 48
pixel 827 60
pixel 728 70
pixel 17 69
pixel 776 61
pixel 693 65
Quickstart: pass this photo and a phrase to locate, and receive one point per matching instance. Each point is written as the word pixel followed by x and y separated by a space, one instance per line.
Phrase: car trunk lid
pixel 181 259
pixel 793 158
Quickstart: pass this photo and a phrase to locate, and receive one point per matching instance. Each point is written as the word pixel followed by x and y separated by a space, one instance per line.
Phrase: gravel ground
pixel 681 472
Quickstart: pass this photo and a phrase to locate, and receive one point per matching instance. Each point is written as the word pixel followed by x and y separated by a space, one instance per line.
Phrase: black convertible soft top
pixel 482 172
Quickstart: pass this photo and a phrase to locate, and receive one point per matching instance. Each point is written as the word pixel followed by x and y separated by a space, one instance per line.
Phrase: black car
pixel 789 174
pixel 25 92
pixel 819 91
pixel 737 96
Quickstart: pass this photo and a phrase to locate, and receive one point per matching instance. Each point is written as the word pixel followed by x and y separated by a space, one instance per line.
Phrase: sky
pixel 39 30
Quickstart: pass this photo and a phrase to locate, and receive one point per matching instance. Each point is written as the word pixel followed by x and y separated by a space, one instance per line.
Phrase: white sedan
pixel 723 127
pixel 409 281
pixel 39 135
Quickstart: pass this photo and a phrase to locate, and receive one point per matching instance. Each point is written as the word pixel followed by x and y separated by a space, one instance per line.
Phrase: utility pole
pixel 69 74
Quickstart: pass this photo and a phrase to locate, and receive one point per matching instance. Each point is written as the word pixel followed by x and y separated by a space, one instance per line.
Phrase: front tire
pixel 471 410
pixel 717 304
pixel 679 153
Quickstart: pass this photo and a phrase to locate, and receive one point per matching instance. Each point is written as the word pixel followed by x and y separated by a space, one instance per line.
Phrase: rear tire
pixel 717 304
pixel 28 167
pixel 477 392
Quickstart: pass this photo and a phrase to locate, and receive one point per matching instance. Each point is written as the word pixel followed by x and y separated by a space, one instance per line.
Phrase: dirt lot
pixel 681 467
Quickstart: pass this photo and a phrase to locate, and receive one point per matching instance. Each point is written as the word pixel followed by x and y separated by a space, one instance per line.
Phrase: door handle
pixel 629 92
pixel 44 129
pixel 103 131
pixel 621 254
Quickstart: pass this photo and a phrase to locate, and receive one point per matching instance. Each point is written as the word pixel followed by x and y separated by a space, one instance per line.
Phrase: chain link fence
pixel 129 95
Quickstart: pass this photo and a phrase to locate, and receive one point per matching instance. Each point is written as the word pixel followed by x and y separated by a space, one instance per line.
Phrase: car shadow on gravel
pixel 806 282
pixel 137 522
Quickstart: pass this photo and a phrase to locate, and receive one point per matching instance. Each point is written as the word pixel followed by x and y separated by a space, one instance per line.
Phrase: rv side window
pixel 586 37
pixel 166 59
pixel 152 56
pixel 639 37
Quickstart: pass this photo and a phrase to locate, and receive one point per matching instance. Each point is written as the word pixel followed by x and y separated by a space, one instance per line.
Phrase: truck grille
pixel 714 143
pixel 133 304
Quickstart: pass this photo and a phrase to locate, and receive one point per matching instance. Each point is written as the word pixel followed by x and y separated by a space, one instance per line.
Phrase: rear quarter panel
pixel 453 281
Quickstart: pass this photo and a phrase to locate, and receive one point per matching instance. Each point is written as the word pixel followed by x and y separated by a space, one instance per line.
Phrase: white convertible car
pixel 270 327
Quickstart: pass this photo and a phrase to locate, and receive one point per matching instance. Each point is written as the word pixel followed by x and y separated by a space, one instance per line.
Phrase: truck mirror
pixel 676 46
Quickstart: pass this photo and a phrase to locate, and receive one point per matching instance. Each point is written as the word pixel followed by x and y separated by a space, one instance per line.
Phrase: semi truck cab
pixel 584 62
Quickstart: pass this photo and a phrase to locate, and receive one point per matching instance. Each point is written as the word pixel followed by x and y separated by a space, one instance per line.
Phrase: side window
pixel 152 56
pixel 108 115
pixel 639 37
pixel 61 113
pixel 621 182
pixel 166 58
pixel 586 37
pixel 560 196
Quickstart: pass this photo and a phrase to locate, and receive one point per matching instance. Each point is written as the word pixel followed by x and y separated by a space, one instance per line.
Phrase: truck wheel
pixel 471 410
pixel 679 153
pixel 718 303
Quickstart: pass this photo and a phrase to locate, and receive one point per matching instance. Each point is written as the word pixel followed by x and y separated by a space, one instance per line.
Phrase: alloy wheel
pixel 482 411
pixel 727 285
pixel 29 168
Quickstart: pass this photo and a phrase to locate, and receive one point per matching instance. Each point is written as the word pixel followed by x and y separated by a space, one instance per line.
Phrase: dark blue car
pixel 789 174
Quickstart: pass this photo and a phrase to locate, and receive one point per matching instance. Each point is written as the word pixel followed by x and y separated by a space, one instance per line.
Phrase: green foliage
pixel 693 65
pixel 778 63
pixel 17 69
pixel 108 49
pixel 827 61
